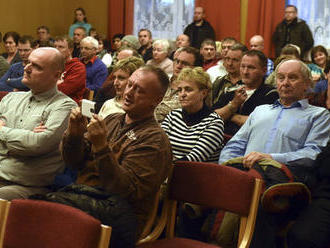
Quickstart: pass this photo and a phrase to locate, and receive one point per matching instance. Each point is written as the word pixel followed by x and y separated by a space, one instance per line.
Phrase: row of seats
pixel 31 223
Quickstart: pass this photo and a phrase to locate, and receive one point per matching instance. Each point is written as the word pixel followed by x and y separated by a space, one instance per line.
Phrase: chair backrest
pixel 32 223
pixel 211 185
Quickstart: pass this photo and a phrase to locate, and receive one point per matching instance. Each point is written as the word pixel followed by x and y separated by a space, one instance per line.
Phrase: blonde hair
pixel 200 78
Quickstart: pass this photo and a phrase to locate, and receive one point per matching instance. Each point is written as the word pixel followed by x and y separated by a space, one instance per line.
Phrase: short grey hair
pixel 305 71
pixel 91 40
pixel 164 43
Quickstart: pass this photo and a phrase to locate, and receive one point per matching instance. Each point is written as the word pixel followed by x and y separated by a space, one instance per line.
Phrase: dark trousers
pixel 312 227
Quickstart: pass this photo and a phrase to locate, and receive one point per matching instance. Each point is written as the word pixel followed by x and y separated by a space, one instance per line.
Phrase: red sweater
pixel 74 80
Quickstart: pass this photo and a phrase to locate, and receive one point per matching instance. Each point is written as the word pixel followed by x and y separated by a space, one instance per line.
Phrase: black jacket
pixel 297 33
pixel 197 34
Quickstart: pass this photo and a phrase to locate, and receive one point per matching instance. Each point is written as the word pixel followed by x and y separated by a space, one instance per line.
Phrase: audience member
pixel 126 52
pixel 131 41
pixel 78 34
pixel 292 30
pixel 13 77
pixel 321 90
pixel 219 70
pixel 232 80
pixel 117 155
pixel 4 65
pixel 116 42
pixel 319 55
pixel 195 131
pixel 270 80
pixel 44 38
pixel 107 91
pixel 160 52
pixel 199 29
pixel 182 41
pixel 92 32
pixel 102 51
pixel 31 127
pixel 121 72
pixel 290 131
pixel 80 20
pixel 257 43
pixel 235 106
pixel 208 52
pixel 184 57
pixel 73 79
pixel 96 71
pixel 11 41
pixel 145 39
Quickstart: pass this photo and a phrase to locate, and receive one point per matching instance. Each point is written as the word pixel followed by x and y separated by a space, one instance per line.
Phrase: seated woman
pixel 195 131
pixel 11 42
pixel 121 72
pixel 102 52
pixel 321 96
pixel 160 52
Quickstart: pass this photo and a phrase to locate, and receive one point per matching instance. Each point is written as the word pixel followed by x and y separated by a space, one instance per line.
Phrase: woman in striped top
pixel 195 131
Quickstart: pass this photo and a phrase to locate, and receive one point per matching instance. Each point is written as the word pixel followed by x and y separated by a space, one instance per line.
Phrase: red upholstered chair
pixel 32 224
pixel 211 185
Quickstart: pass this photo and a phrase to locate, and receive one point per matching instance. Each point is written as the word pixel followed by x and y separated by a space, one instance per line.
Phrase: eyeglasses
pixel 24 50
pixel 182 62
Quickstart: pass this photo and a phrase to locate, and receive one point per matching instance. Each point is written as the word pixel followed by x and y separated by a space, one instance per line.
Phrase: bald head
pixel 44 68
pixel 257 43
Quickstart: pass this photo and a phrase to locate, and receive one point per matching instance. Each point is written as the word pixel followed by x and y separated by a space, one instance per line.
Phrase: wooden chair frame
pixel 168 219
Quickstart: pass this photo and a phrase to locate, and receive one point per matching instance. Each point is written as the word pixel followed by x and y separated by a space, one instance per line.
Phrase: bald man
pixel 257 43
pixel 199 29
pixel 31 127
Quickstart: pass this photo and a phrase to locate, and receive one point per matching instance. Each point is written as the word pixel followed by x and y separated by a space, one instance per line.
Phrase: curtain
pixel 316 14
pixel 120 17
pixel 224 16
pixel 164 18
pixel 263 16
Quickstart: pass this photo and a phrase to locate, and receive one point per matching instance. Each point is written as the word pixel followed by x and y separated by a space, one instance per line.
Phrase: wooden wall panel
pixel 24 16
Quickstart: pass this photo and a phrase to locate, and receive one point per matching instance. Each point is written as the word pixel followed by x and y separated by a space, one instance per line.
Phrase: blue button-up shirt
pixel 286 133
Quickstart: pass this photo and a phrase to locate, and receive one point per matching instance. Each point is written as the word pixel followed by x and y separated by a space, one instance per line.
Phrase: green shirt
pixel 26 157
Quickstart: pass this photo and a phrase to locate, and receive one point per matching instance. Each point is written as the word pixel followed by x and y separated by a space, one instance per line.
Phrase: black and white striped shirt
pixel 201 141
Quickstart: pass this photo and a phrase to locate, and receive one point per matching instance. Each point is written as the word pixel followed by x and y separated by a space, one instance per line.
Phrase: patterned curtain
pixel 164 18
pixel 317 14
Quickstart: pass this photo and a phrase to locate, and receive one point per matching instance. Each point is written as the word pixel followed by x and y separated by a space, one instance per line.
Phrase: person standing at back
pixel 199 29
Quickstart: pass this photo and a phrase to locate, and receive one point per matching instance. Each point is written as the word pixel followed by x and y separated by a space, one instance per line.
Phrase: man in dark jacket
pixel 200 29
pixel 292 30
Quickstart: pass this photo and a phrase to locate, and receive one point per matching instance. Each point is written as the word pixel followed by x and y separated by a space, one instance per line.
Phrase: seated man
pixel 118 154
pixel 235 105
pixel 78 34
pixel 290 131
pixel 257 43
pixel 208 51
pixel 96 70
pixel 44 38
pixel 73 79
pixel 31 126
pixel 219 70
pixel 232 79
pixel 13 77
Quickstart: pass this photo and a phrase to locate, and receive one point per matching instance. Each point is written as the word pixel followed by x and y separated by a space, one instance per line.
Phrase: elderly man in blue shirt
pixel 289 131
pixel 286 131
